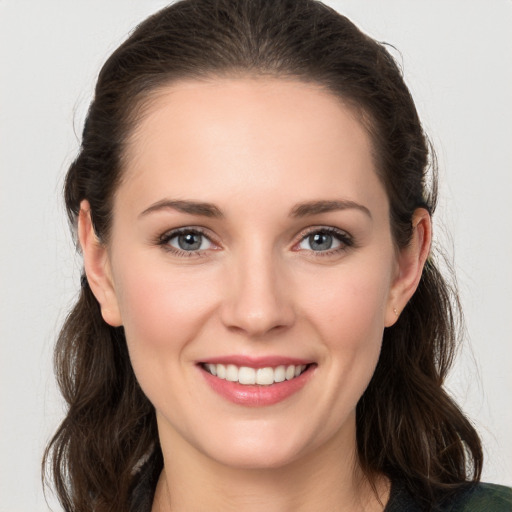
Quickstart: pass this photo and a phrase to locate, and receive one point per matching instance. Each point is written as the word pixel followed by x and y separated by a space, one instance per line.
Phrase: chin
pixel 256 458
pixel 260 449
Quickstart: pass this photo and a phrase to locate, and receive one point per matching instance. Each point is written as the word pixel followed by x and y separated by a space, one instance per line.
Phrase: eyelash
pixel 164 240
pixel 342 237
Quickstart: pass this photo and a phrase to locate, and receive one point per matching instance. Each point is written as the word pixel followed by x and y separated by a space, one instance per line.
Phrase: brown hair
pixel 407 426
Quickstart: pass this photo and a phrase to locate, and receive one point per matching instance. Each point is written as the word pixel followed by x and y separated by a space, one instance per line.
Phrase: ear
pixel 411 260
pixel 97 267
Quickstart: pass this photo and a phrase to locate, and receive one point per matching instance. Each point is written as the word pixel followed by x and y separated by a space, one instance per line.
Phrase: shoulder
pixel 483 498
pixel 480 497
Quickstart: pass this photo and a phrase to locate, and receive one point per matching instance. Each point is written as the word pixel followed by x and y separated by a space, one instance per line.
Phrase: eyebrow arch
pixel 190 207
pixel 316 207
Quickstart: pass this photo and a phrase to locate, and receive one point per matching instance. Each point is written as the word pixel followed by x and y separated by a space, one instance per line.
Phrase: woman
pixel 261 322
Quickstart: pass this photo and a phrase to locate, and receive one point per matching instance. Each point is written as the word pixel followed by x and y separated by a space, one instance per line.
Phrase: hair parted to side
pixel 105 454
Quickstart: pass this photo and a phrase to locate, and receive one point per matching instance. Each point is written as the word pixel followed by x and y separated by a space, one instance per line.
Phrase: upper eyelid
pixel 343 236
pixel 166 236
pixel 186 229
pixel 164 241
pixel 330 229
pixel 215 240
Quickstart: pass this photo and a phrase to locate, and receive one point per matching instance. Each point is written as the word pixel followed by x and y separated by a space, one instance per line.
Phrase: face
pixel 252 266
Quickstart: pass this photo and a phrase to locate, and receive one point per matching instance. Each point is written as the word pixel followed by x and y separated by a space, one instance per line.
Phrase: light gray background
pixel 457 57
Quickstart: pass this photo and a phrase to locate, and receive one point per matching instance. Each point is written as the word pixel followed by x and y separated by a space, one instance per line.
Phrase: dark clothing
pixel 470 498
pixel 474 498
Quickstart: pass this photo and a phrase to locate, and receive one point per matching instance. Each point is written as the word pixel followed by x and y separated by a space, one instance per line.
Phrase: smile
pixel 256 382
pixel 246 375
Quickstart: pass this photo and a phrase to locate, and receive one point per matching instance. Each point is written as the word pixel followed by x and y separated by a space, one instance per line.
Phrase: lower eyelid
pixel 200 249
pixel 164 239
pixel 341 236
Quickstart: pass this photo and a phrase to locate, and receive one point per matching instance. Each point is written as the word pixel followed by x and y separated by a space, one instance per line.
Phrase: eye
pixel 325 239
pixel 186 240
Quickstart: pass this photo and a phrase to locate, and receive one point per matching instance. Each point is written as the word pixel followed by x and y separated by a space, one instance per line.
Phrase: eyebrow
pixel 190 207
pixel 210 210
pixel 317 207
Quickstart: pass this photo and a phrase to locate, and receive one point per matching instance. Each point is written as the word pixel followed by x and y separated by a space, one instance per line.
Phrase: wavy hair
pixel 105 455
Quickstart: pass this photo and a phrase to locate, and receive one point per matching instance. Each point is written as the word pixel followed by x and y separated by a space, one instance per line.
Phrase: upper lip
pixel 256 362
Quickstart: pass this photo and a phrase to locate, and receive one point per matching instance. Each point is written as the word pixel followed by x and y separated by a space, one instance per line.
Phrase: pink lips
pixel 256 362
pixel 256 395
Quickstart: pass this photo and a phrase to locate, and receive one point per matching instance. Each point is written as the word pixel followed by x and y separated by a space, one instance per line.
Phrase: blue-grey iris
pixel 320 241
pixel 190 241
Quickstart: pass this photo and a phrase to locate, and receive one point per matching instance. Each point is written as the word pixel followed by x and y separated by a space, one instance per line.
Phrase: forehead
pixel 249 136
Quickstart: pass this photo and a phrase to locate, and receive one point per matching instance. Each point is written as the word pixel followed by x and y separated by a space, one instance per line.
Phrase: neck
pixel 328 479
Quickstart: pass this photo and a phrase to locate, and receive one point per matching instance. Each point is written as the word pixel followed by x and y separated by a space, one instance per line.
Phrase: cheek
pixel 349 315
pixel 162 308
pixel 350 304
pixel 353 335
pixel 163 312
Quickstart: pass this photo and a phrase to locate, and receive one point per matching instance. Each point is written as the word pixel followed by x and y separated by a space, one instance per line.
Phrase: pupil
pixel 189 242
pixel 320 241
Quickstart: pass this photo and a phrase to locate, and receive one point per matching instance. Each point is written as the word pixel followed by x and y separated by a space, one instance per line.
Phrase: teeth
pixel 247 375
pixel 262 376
pixel 221 371
pixel 290 372
pixel 231 373
pixel 280 374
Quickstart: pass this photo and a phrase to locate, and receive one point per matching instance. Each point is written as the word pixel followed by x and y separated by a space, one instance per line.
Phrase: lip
pixel 257 395
pixel 256 362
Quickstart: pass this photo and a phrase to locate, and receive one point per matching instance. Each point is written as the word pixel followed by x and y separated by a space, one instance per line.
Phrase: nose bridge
pixel 257 300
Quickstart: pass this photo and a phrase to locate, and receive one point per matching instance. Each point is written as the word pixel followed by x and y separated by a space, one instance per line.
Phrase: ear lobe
pixel 97 267
pixel 411 260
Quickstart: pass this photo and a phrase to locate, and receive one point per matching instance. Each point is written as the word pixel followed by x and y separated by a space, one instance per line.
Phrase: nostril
pixel 257 331
pixel 256 302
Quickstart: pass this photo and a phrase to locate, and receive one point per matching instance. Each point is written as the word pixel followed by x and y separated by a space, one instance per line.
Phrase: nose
pixel 258 300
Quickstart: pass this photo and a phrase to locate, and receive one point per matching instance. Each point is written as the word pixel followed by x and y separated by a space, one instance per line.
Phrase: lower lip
pixel 255 395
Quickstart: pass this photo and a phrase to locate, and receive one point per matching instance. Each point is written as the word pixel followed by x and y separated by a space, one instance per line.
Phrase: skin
pixel 255 148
